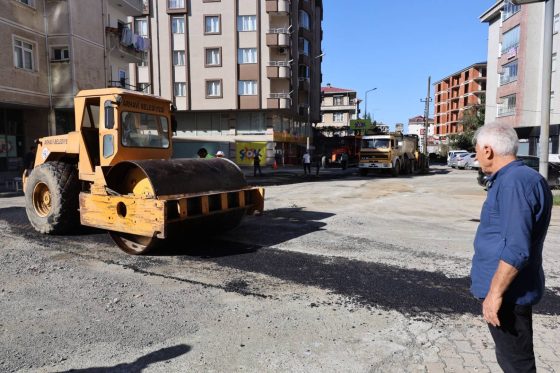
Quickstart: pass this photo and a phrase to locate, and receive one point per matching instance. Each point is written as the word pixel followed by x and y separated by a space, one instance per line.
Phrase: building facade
pixel 456 93
pixel 338 107
pixel 51 50
pixel 515 71
pixel 416 126
pixel 245 75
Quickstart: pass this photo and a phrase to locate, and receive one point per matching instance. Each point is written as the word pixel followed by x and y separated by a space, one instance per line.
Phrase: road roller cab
pixel 115 172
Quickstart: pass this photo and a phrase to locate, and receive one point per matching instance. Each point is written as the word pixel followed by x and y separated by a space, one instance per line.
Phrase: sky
pixel 395 46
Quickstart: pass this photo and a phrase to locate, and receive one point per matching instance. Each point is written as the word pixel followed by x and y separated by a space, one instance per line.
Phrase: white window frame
pixel 554 59
pixel 178 25
pixel 214 88
pixel 141 26
pixel 175 4
pixel 338 117
pixel 179 58
pixel 64 53
pixel 247 56
pixel 29 52
pixel 507 105
pixel 511 44
pixel 509 10
pixel 509 72
pixel 247 88
pixel 556 23
pixel 213 57
pixel 247 23
pixel 180 89
pixel 212 27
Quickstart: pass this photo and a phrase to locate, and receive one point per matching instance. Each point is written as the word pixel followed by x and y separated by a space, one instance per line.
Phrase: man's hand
pixel 502 278
pixel 490 308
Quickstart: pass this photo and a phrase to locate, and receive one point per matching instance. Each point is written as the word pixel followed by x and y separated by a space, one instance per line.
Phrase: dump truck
pixel 395 153
pixel 115 172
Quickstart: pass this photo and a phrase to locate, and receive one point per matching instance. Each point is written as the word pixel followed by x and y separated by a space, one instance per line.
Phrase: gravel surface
pixel 352 275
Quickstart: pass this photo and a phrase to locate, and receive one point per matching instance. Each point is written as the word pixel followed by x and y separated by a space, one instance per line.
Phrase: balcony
pixel 128 42
pixel 278 70
pixel 278 37
pixel 278 6
pixel 132 7
pixel 279 101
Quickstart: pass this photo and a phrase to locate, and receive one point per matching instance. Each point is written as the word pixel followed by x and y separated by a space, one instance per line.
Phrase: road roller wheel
pixel 133 244
pixel 51 197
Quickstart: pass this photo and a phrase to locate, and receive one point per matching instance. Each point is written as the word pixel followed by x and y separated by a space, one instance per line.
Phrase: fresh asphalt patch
pixel 369 284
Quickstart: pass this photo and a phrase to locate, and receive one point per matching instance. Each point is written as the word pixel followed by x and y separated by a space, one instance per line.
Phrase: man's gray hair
pixel 502 138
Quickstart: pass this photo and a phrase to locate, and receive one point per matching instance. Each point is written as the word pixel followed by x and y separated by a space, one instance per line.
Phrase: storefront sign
pixel 245 152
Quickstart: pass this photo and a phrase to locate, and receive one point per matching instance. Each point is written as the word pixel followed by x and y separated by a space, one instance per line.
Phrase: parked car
pixel 451 155
pixel 456 158
pixel 533 162
pixel 466 159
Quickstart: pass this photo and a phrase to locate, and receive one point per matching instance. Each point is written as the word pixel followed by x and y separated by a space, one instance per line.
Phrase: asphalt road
pixel 351 274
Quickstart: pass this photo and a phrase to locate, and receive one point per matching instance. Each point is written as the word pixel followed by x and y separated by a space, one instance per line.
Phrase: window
pixel 213 88
pixel 304 19
pixel 247 23
pixel 122 78
pixel 554 61
pixel 338 117
pixel 304 46
pixel 213 57
pixel 178 58
pixel 144 87
pixel 211 24
pixel 247 55
pixel 178 25
pixel 180 89
pixel 60 54
pixel 509 9
pixel 31 3
pixel 338 100
pixel 509 73
pixel 175 4
pixel 303 71
pixel 247 87
pixel 507 106
pixel 141 26
pixel 23 55
pixel 510 39
pixel 144 130
pixel 556 22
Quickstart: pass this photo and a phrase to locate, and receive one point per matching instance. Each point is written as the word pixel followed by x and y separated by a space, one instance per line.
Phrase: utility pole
pixel 426 116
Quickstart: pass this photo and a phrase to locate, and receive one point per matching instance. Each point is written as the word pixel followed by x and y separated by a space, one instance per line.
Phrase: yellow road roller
pixel 115 172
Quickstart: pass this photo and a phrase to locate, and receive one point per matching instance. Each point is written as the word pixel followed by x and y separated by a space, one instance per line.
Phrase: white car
pixel 452 154
pixel 466 159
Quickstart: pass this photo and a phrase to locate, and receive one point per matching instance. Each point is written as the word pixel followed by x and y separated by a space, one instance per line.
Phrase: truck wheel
pixel 363 172
pixel 395 171
pixel 51 197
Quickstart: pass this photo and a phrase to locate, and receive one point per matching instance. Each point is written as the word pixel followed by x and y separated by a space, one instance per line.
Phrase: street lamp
pixel 546 81
pixel 365 109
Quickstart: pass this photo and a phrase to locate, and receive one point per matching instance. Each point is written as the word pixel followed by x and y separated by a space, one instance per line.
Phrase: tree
pixel 472 119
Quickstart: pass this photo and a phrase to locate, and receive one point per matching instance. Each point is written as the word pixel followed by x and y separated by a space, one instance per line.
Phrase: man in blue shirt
pixel 507 272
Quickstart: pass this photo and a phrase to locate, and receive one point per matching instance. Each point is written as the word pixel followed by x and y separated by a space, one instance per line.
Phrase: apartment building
pixel 416 126
pixel 456 93
pixel 245 75
pixel 338 107
pixel 515 70
pixel 51 50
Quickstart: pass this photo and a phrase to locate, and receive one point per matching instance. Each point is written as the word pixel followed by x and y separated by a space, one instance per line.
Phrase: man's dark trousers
pixel 514 339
